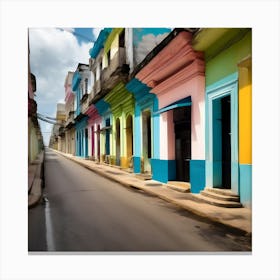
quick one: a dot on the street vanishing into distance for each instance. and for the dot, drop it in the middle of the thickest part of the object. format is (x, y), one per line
(84, 212)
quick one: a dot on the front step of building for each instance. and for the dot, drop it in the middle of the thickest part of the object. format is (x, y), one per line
(143, 176)
(179, 186)
(219, 197)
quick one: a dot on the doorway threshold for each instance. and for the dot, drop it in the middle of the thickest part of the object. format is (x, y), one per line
(179, 186)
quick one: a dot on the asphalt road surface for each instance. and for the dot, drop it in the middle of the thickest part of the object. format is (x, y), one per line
(84, 212)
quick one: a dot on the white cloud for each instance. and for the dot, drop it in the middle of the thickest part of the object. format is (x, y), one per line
(148, 42)
(95, 32)
(53, 52)
(69, 29)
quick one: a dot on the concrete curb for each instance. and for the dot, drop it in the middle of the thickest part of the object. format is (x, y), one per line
(35, 193)
(139, 185)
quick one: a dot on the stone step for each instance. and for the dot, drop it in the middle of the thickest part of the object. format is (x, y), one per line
(219, 196)
(143, 176)
(179, 186)
(221, 191)
(217, 202)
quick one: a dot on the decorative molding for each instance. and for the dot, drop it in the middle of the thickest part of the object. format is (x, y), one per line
(197, 68)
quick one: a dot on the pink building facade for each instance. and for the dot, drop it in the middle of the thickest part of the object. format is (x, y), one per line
(94, 124)
(176, 75)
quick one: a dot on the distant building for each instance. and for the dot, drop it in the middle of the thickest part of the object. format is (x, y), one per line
(69, 114)
(61, 118)
(80, 86)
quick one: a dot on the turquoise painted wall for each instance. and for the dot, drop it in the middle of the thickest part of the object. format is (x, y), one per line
(143, 100)
(81, 141)
(197, 175)
(163, 170)
(224, 87)
(245, 174)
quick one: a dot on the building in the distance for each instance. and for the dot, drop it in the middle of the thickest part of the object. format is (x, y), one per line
(81, 84)
(60, 119)
(69, 114)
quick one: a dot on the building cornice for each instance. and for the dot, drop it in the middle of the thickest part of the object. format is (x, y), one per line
(175, 56)
(160, 47)
(196, 68)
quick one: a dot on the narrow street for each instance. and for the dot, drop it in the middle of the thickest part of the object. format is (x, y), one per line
(86, 212)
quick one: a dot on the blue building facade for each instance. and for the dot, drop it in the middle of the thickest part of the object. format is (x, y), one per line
(80, 117)
(146, 104)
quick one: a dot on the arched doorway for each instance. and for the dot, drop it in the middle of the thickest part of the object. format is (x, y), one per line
(118, 141)
(86, 142)
(107, 137)
(129, 139)
(92, 142)
(98, 143)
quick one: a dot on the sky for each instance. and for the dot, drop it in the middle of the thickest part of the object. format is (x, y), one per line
(54, 52)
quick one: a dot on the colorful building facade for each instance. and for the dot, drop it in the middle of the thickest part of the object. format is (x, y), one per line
(176, 75)
(61, 118)
(100, 114)
(121, 103)
(228, 96)
(115, 55)
(146, 130)
(69, 111)
(175, 105)
(105, 132)
(94, 123)
(80, 85)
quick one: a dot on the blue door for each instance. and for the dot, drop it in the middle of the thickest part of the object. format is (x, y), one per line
(107, 141)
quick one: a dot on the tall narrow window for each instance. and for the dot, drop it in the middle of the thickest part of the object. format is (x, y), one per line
(108, 57)
(86, 85)
(121, 39)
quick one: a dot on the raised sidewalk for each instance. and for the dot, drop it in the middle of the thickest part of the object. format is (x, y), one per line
(35, 180)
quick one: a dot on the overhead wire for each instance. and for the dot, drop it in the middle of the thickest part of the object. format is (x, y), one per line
(46, 120)
(43, 116)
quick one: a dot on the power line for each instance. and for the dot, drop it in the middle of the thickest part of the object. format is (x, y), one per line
(45, 120)
(51, 118)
